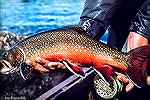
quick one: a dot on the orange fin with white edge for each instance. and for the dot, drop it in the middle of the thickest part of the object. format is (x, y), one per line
(75, 69)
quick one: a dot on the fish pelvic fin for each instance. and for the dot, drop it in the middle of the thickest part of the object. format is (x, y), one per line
(139, 61)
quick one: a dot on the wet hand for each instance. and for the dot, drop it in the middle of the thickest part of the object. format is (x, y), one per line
(145, 78)
(44, 65)
(125, 79)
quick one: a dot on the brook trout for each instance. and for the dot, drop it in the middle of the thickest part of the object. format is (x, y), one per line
(73, 45)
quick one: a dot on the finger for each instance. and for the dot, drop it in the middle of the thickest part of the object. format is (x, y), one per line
(41, 61)
(129, 87)
(36, 66)
(123, 78)
(28, 62)
(121, 74)
(60, 65)
(45, 63)
(54, 65)
(148, 80)
(48, 64)
(40, 68)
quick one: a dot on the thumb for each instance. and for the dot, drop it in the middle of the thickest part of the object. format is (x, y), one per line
(129, 87)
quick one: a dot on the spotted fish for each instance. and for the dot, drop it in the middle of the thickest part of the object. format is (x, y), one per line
(71, 44)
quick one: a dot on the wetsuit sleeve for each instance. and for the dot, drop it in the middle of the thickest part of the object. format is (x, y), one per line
(96, 16)
(141, 23)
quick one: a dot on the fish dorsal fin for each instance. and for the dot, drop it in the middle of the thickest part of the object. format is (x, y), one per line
(76, 28)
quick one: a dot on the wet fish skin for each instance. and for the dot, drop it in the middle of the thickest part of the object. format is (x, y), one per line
(48, 43)
(74, 46)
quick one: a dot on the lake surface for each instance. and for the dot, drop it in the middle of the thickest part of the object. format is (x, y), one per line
(28, 18)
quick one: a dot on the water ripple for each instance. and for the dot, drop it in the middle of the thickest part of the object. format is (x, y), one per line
(38, 15)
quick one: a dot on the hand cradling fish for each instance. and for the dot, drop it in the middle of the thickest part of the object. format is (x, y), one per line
(72, 44)
(13, 85)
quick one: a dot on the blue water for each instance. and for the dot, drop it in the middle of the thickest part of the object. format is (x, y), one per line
(39, 15)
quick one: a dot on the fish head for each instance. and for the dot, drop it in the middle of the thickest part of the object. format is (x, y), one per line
(10, 61)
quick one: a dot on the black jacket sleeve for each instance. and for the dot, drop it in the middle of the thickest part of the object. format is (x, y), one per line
(141, 23)
(96, 16)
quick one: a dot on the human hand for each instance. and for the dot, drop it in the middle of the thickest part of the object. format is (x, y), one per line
(125, 79)
(145, 79)
(135, 40)
(44, 65)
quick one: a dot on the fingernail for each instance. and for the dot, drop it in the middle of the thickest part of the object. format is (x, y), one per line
(49, 64)
(52, 68)
(61, 66)
(37, 58)
(127, 89)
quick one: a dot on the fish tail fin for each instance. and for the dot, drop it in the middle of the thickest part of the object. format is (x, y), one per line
(139, 60)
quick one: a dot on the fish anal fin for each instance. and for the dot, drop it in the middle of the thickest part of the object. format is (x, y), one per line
(106, 71)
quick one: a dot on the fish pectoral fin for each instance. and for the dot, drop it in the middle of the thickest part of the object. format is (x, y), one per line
(75, 69)
(25, 71)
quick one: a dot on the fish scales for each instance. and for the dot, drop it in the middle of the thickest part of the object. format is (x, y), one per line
(68, 44)
(44, 42)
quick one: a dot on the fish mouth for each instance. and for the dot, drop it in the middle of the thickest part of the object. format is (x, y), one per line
(6, 67)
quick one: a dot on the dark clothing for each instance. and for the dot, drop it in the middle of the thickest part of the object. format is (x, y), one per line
(141, 23)
(122, 16)
(99, 14)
